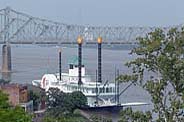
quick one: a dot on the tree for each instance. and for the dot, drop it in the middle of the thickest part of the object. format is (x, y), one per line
(72, 118)
(98, 118)
(161, 54)
(62, 104)
(36, 97)
(2, 81)
(10, 114)
(128, 115)
(78, 99)
(3, 100)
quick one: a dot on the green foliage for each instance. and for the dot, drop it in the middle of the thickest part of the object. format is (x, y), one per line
(128, 115)
(97, 118)
(72, 118)
(3, 100)
(63, 104)
(10, 114)
(162, 54)
(127, 78)
(78, 99)
(36, 97)
(2, 81)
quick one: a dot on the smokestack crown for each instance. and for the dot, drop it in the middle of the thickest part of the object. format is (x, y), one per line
(79, 40)
(99, 40)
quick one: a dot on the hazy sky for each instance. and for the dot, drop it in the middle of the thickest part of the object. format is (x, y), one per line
(104, 12)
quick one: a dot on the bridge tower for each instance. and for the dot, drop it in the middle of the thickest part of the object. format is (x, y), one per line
(6, 49)
(6, 57)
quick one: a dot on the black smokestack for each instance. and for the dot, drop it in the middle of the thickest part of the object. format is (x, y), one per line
(99, 59)
(79, 41)
(60, 64)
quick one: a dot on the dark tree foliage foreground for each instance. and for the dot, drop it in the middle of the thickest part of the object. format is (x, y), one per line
(3, 82)
(62, 104)
(160, 54)
(98, 118)
(11, 114)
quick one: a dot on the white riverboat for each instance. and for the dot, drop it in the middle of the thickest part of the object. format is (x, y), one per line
(94, 91)
(69, 83)
(99, 94)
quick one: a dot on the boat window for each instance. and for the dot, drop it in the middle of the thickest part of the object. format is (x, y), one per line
(113, 90)
(84, 89)
(87, 90)
(101, 90)
(107, 90)
(72, 87)
(71, 66)
(96, 90)
(93, 90)
(110, 89)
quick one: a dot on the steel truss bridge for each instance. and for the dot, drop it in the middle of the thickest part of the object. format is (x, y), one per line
(21, 28)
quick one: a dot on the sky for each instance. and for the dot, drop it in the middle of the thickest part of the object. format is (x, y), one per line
(103, 12)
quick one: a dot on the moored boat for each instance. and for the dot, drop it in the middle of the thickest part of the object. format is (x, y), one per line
(69, 83)
(99, 94)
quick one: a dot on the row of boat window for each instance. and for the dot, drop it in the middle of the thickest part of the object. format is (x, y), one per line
(93, 90)
(74, 66)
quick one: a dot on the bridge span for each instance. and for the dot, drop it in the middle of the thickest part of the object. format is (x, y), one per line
(20, 28)
(17, 27)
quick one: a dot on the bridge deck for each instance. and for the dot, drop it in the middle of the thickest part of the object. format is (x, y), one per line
(66, 42)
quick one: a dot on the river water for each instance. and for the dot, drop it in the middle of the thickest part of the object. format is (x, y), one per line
(30, 62)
